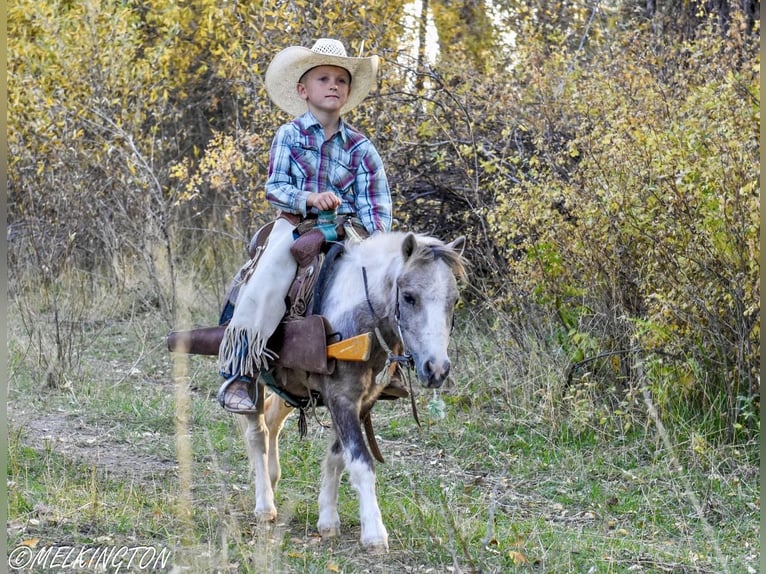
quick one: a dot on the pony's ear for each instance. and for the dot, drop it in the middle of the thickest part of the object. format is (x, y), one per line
(408, 245)
(458, 244)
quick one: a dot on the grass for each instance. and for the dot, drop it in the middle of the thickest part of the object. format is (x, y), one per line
(510, 480)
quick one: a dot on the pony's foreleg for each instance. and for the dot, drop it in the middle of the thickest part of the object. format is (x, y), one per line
(260, 438)
(332, 469)
(275, 413)
(362, 477)
(360, 466)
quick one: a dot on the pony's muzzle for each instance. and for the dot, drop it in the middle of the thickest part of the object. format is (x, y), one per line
(434, 373)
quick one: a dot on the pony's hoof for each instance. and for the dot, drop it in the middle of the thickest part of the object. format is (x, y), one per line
(379, 546)
(328, 532)
(265, 516)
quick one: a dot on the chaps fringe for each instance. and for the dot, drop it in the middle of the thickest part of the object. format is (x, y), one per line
(243, 352)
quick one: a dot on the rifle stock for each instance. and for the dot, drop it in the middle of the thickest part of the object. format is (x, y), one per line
(352, 349)
(205, 341)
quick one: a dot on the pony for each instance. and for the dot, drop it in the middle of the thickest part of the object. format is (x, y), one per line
(404, 288)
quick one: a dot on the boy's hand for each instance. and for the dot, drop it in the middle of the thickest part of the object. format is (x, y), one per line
(326, 200)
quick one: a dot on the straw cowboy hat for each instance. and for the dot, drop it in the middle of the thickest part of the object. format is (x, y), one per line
(287, 67)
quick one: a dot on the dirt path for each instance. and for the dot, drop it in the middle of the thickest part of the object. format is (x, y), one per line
(76, 439)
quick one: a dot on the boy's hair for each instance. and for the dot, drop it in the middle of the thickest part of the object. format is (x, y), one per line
(289, 66)
(350, 77)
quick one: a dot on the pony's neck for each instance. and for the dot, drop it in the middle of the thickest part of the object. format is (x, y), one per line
(348, 305)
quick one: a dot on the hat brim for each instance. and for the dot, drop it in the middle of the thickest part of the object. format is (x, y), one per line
(287, 67)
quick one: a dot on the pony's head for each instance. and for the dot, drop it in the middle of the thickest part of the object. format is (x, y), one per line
(427, 293)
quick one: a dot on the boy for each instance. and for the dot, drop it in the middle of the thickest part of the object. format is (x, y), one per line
(317, 162)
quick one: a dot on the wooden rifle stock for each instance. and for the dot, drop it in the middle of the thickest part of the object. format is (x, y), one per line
(207, 340)
(352, 349)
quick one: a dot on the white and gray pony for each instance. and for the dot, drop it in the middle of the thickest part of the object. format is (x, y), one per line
(405, 286)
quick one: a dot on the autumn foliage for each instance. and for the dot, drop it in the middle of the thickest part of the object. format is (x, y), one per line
(604, 162)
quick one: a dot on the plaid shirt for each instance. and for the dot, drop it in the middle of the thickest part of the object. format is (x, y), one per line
(302, 162)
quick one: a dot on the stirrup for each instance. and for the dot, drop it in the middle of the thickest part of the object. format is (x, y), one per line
(238, 395)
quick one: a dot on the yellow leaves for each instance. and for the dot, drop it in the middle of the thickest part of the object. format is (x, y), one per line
(426, 129)
(30, 542)
(699, 445)
(231, 164)
(180, 170)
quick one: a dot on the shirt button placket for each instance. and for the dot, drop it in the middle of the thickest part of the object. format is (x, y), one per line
(322, 176)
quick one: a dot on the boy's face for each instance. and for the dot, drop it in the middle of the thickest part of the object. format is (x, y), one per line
(325, 88)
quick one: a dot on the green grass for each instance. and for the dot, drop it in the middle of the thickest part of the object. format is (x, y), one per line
(498, 485)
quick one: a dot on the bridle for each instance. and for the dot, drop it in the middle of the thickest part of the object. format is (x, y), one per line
(405, 359)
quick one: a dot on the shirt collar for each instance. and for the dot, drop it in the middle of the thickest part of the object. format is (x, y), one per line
(308, 121)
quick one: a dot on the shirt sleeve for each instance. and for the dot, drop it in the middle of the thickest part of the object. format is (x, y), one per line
(280, 189)
(373, 199)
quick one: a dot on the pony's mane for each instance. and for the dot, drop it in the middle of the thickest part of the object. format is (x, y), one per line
(430, 249)
(427, 250)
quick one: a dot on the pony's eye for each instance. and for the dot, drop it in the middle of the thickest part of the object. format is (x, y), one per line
(408, 298)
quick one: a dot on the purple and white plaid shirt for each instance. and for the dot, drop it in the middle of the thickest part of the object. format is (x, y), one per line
(302, 162)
